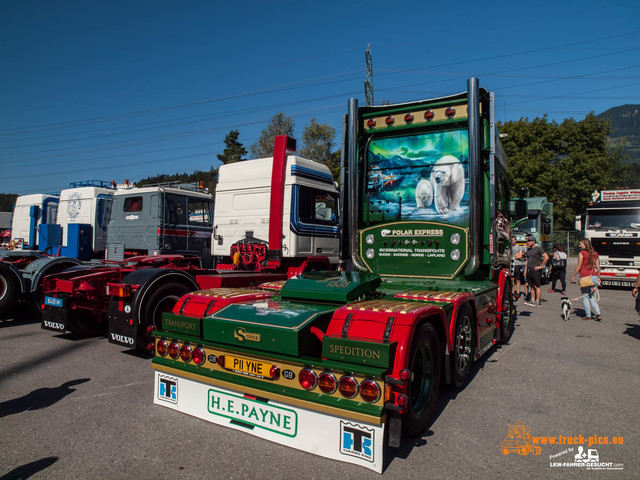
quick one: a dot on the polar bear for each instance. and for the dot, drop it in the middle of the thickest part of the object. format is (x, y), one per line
(424, 193)
(447, 181)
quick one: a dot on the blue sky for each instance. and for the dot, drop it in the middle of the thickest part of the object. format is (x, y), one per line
(115, 90)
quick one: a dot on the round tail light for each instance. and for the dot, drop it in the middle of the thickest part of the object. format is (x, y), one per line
(220, 360)
(185, 353)
(327, 382)
(370, 391)
(162, 348)
(274, 372)
(174, 350)
(348, 386)
(198, 356)
(308, 379)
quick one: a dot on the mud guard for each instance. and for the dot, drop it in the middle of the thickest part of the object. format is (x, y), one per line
(125, 313)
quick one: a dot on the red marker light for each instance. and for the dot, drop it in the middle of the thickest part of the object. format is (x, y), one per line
(185, 353)
(327, 383)
(162, 348)
(174, 350)
(389, 121)
(198, 356)
(408, 118)
(308, 379)
(429, 115)
(370, 391)
(371, 123)
(348, 386)
(450, 112)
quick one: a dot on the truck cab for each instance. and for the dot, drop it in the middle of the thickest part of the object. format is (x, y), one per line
(306, 200)
(161, 219)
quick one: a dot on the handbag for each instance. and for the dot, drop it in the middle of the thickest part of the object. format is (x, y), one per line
(586, 282)
(559, 263)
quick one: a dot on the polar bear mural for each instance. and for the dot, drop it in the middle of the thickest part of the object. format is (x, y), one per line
(447, 182)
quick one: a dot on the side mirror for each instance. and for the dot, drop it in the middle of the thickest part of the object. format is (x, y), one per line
(519, 210)
(546, 227)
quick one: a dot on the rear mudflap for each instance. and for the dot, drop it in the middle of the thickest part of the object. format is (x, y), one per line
(54, 318)
(123, 330)
(311, 431)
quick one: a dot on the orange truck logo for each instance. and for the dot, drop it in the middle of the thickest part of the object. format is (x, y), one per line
(518, 440)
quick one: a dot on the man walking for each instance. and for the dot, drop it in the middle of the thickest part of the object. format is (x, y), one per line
(518, 267)
(537, 258)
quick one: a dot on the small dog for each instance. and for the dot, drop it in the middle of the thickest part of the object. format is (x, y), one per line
(566, 306)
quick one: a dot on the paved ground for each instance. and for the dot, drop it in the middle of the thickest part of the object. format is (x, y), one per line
(82, 408)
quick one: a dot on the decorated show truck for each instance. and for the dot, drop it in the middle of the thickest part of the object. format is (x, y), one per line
(340, 363)
(612, 223)
(254, 199)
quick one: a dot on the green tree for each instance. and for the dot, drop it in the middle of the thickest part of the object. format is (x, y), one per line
(563, 162)
(280, 124)
(318, 144)
(234, 151)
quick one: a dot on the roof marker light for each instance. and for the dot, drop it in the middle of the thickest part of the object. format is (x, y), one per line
(429, 115)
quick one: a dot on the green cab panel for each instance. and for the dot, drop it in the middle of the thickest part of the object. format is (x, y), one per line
(271, 326)
(335, 287)
(361, 352)
(415, 249)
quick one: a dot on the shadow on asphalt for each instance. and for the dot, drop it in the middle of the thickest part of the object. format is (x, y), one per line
(18, 315)
(633, 330)
(447, 394)
(40, 398)
(30, 469)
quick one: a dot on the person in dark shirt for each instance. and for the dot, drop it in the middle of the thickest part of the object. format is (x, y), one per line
(537, 258)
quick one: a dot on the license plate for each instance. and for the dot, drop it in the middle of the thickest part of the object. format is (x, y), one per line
(253, 368)
(53, 301)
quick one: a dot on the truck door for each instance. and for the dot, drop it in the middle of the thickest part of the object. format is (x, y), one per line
(315, 216)
(199, 225)
(176, 230)
(104, 205)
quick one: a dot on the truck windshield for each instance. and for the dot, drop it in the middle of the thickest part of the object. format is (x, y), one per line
(614, 218)
(414, 177)
(531, 225)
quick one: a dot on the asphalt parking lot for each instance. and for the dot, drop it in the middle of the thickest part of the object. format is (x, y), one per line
(74, 407)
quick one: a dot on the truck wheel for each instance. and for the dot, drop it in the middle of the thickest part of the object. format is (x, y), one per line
(84, 323)
(8, 290)
(161, 301)
(423, 388)
(508, 318)
(462, 346)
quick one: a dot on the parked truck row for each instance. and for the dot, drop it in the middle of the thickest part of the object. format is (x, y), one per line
(274, 218)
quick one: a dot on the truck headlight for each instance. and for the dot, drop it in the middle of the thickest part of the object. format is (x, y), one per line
(369, 239)
(455, 238)
(455, 254)
(370, 253)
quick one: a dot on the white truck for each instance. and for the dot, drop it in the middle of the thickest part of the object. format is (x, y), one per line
(612, 223)
(268, 213)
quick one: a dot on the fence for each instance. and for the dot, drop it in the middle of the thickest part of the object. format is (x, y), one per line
(568, 239)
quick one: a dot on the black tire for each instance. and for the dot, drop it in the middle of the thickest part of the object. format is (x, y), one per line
(425, 365)
(8, 289)
(161, 301)
(84, 323)
(508, 319)
(463, 343)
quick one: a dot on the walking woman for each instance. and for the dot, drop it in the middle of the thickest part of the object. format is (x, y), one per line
(588, 267)
(558, 268)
